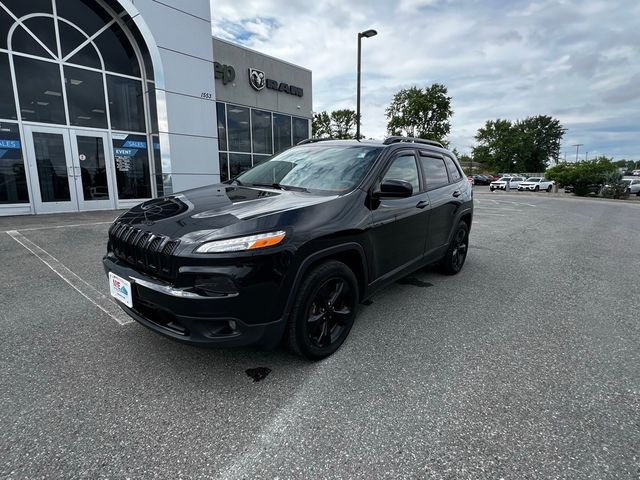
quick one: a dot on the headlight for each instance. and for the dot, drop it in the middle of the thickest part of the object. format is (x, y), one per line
(252, 242)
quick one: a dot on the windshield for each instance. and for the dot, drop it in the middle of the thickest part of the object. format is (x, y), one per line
(533, 179)
(314, 167)
(504, 179)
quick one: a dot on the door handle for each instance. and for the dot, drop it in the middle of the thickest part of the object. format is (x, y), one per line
(422, 204)
(457, 193)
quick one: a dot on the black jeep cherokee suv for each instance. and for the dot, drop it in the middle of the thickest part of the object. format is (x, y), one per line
(291, 247)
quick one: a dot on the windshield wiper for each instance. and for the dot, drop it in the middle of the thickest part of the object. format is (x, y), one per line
(279, 186)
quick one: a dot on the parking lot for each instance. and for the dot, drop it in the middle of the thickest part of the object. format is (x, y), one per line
(525, 365)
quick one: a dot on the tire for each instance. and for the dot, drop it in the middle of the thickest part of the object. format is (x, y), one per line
(537, 189)
(491, 188)
(323, 311)
(456, 255)
(549, 189)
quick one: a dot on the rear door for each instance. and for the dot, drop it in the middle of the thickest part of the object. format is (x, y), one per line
(399, 225)
(445, 183)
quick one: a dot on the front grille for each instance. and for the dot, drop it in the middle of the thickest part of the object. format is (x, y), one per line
(142, 250)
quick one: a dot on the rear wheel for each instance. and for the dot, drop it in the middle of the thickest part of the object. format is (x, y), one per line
(324, 311)
(456, 254)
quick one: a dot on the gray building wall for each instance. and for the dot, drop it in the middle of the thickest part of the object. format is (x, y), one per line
(186, 93)
(241, 92)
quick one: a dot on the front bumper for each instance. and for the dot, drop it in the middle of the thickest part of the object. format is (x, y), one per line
(234, 320)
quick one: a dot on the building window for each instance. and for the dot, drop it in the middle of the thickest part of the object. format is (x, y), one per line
(224, 167)
(7, 102)
(125, 104)
(281, 132)
(238, 129)
(300, 129)
(85, 97)
(39, 91)
(132, 166)
(238, 163)
(13, 182)
(222, 126)
(261, 131)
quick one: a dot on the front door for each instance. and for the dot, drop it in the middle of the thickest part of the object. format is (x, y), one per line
(69, 169)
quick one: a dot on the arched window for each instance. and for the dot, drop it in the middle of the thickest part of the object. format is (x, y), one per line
(73, 64)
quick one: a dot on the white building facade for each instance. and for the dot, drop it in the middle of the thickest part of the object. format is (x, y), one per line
(106, 103)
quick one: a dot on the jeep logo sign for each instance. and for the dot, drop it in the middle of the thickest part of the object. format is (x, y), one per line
(226, 73)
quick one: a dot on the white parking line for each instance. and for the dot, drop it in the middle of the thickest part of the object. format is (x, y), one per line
(58, 226)
(85, 289)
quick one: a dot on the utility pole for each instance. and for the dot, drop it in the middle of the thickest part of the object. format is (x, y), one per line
(577, 145)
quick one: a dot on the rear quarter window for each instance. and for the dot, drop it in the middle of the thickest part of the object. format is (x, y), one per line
(454, 174)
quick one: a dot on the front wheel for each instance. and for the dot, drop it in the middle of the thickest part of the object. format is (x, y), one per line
(457, 252)
(537, 188)
(549, 189)
(491, 188)
(323, 311)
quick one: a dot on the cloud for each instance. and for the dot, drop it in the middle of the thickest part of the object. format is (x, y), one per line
(575, 59)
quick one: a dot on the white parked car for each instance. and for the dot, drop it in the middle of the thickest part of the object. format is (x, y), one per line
(506, 183)
(535, 184)
(633, 186)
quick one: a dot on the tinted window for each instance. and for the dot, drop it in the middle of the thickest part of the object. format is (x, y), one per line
(435, 172)
(454, 173)
(45, 30)
(21, 41)
(222, 127)
(7, 102)
(261, 127)
(39, 90)
(131, 160)
(238, 163)
(281, 132)
(117, 52)
(85, 13)
(5, 24)
(224, 168)
(404, 168)
(85, 97)
(13, 183)
(300, 129)
(125, 104)
(238, 129)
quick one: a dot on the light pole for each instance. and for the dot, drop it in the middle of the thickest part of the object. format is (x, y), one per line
(577, 145)
(366, 34)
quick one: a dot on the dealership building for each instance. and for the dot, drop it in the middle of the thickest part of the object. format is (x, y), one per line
(106, 103)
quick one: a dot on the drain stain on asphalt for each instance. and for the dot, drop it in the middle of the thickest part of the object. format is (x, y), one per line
(415, 282)
(258, 374)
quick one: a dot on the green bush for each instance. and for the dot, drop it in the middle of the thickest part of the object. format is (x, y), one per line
(582, 175)
(614, 187)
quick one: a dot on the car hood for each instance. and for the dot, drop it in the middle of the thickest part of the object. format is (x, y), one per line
(217, 210)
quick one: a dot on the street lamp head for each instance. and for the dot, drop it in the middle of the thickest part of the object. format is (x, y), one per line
(368, 33)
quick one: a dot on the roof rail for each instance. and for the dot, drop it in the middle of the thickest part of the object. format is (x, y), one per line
(398, 139)
(313, 140)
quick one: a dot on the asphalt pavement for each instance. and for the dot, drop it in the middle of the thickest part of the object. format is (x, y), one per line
(525, 365)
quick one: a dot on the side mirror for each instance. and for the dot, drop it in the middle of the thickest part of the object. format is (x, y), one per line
(394, 189)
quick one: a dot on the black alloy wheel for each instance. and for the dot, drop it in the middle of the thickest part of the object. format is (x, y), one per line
(456, 254)
(537, 188)
(324, 311)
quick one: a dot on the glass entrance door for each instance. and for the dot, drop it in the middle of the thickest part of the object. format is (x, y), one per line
(68, 170)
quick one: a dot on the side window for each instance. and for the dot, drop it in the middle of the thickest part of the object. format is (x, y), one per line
(454, 173)
(404, 168)
(435, 172)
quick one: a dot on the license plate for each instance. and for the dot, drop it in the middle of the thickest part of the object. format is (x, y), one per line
(120, 289)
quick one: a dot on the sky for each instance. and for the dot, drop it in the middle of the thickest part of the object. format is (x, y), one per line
(576, 60)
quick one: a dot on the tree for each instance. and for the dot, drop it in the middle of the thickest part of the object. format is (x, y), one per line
(527, 145)
(343, 123)
(420, 113)
(582, 174)
(321, 125)
(337, 124)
